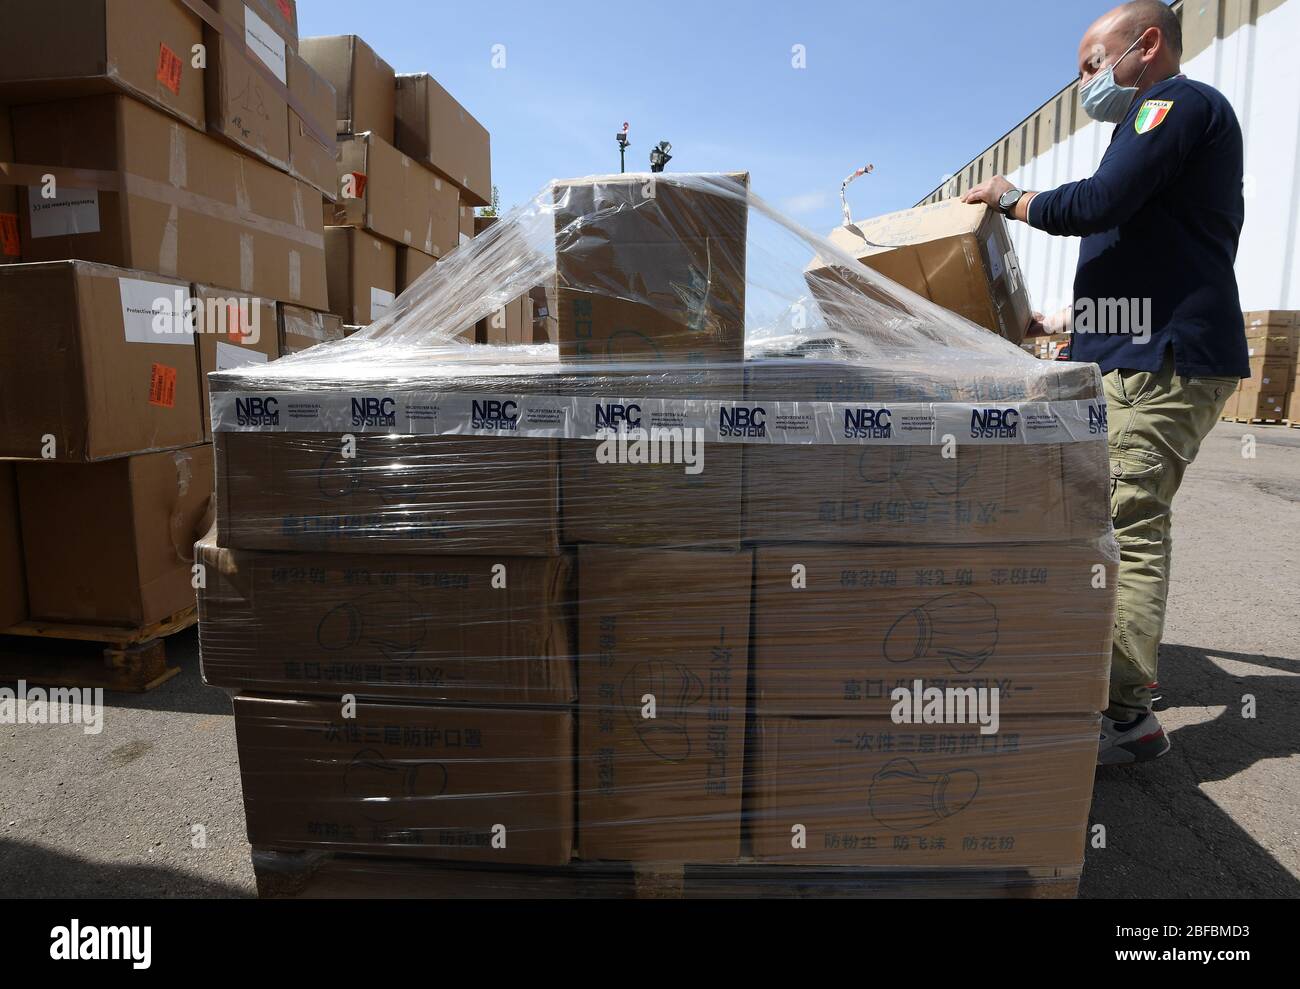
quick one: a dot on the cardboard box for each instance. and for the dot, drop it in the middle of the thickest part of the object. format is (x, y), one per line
(650, 278)
(430, 628)
(362, 271)
(435, 130)
(235, 331)
(456, 495)
(466, 214)
(81, 363)
(1268, 322)
(311, 156)
(172, 200)
(244, 107)
(868, 792)
(481, 223)
(1270, 375)
(518, 316)
(385, 192)
(1230, 408)
(1025, 620)
(302, 328)
(63, 49)
(364, 88)
(957, 255)
(1261, 405)
(418, 781)
(546, 328)
(505, 327)
(1277, 346)
(1293, 406)
(112, 543)
(13, 586)
(411, 264)
(640, 503)
(862, 493)
(674, 626)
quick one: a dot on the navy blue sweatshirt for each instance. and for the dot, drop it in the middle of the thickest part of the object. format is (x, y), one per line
(1160, 220)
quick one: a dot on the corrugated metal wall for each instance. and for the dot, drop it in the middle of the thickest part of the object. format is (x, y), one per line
(1246, 49)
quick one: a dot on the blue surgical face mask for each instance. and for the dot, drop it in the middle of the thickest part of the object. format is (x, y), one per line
(1104, 99)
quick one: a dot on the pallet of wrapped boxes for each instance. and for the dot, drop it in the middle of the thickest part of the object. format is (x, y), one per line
(1267, 394)
(155, 231)
(626, 614)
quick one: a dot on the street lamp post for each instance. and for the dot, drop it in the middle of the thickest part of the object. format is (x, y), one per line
(623, 143)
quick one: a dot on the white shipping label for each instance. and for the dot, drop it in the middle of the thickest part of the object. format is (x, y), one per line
(235, 355)
(995, 259)
(263, 42)
(155, 312)
(71, 211)
(380, 300)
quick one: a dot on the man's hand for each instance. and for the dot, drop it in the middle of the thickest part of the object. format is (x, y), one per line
(988, 192)
(1057, 322)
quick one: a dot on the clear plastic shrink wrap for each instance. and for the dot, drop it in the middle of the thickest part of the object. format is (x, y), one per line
(639, 598)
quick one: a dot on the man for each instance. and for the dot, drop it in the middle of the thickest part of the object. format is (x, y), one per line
(1160, 220)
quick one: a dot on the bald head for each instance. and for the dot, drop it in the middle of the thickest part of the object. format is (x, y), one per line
(1152, 25)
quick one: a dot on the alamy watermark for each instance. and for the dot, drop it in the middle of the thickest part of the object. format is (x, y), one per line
(53, 706)
(922, 705)
(101, 942)
(237, 318)
(1120, 317)
(656, 445)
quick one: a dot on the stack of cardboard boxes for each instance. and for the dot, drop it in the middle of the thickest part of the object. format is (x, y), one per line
(411, 166)
(528, 319)
(424, 576)
(162, 161)
(559, 657)
(1271, 345)
(1049, 347)
(650, 305)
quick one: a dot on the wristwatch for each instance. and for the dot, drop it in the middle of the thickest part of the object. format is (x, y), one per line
(1007, 202)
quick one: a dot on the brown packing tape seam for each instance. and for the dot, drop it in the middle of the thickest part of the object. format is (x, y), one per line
(181, 536)
(232, 34)
(160, 192)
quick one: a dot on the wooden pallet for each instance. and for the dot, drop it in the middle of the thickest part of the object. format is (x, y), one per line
(328, 875)
(1255, 422)
(1293, 423)
(69, 654)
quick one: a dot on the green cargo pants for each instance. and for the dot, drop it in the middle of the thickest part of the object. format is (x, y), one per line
(1156, 422)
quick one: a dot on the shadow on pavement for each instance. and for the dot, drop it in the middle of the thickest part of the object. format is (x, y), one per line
(29, 870)
(1165, 836)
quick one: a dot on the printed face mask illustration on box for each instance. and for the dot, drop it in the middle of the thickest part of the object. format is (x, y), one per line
(902, 798)
(674, 689)
(383, 620)
(379, 785)
(960, 628)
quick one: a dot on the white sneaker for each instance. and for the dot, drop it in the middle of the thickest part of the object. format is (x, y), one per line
(1134, 741)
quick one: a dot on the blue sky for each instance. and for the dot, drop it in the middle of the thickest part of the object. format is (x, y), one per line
(916, 87)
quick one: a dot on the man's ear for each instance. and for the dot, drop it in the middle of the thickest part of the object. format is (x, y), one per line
(1152, 43)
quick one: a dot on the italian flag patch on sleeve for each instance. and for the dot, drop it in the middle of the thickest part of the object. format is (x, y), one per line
(1151, 115)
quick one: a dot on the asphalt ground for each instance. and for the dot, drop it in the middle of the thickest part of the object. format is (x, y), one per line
(114, 814)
